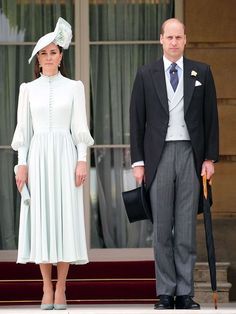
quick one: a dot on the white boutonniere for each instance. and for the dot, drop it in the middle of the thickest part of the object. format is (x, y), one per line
(193, 73)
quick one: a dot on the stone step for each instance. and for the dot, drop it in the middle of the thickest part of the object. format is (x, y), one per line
(203, 291)
(204, 294)
(202, 273)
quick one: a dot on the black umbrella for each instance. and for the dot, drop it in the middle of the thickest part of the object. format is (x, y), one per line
(207, 202)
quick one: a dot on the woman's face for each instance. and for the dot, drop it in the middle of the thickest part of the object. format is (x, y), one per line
(49, 59)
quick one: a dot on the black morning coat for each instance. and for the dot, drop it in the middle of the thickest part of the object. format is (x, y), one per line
(149, 115)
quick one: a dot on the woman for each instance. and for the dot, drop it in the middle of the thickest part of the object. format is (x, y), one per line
(51, 138)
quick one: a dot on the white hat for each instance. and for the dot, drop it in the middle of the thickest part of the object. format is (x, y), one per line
(61, 36)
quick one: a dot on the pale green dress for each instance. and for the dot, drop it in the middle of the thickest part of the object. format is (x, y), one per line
(51, 135)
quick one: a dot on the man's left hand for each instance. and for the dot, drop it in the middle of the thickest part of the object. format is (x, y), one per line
(208, 169)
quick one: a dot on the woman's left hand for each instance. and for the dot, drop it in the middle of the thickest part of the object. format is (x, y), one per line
(80, 173)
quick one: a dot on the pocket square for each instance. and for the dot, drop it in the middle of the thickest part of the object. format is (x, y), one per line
(197, 83)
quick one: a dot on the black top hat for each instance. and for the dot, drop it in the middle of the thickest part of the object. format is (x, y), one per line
(137, 204)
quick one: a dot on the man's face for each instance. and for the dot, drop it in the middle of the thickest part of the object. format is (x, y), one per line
(173, 40)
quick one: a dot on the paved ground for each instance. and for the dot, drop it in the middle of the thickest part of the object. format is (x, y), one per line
(229, 308)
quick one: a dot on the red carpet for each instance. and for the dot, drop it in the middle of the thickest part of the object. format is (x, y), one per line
(96, 282)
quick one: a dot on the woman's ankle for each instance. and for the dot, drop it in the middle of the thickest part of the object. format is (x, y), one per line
(60, 287)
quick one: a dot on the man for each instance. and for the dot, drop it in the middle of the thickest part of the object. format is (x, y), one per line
(174, 141)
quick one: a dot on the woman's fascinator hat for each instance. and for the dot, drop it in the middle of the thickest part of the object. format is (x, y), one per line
(61, 36)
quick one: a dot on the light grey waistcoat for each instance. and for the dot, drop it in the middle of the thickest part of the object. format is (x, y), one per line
(177, 129)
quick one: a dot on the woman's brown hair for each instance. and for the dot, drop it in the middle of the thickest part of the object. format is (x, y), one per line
(62, 68)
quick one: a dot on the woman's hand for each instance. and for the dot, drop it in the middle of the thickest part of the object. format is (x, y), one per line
(80, 173)
(21, 176)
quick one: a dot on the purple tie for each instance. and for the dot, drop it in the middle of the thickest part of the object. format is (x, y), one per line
(174, 79)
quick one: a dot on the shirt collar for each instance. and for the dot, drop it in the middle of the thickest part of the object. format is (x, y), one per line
(167, 63)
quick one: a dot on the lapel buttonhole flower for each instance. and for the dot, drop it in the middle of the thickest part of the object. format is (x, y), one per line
(193, 73)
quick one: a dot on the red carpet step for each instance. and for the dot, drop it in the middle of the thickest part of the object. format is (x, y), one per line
(96, 282)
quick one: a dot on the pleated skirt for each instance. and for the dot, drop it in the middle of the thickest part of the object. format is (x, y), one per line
(52, 228)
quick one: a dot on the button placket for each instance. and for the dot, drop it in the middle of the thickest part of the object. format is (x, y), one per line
(50, 104)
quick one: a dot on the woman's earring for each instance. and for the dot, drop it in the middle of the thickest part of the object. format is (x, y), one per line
(59, 65)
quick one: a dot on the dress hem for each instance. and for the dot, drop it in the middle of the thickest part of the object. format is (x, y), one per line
(78, 262)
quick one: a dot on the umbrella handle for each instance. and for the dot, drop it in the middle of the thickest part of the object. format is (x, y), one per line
(204, 182)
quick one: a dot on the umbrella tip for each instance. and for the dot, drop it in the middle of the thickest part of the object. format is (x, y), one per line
(215, 299)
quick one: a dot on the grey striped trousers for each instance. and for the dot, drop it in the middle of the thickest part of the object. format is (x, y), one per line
(174, 198)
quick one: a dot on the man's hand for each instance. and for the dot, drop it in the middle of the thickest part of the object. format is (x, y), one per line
(80, 173)
(138, 173)
(208, 169)
(21, 176)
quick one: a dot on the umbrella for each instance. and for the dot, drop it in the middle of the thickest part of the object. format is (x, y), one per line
(207, 202)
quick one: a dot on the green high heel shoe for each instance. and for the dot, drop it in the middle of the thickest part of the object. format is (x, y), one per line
(60, 306)
(46, 307)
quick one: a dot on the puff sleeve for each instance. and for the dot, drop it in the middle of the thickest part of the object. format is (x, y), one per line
(79, 127)
(24, 131)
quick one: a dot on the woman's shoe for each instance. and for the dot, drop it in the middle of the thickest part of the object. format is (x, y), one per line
(60, 306)
(45, 307)
(47, 301)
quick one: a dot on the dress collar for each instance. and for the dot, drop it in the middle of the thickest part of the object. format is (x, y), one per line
(51, 77)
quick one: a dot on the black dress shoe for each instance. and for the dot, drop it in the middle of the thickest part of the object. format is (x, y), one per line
(185, 302)
(166, 302)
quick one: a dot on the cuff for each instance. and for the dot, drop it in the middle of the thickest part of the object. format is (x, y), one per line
(210, 160)
(22, 155)
(81, 152)
(138, 164)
